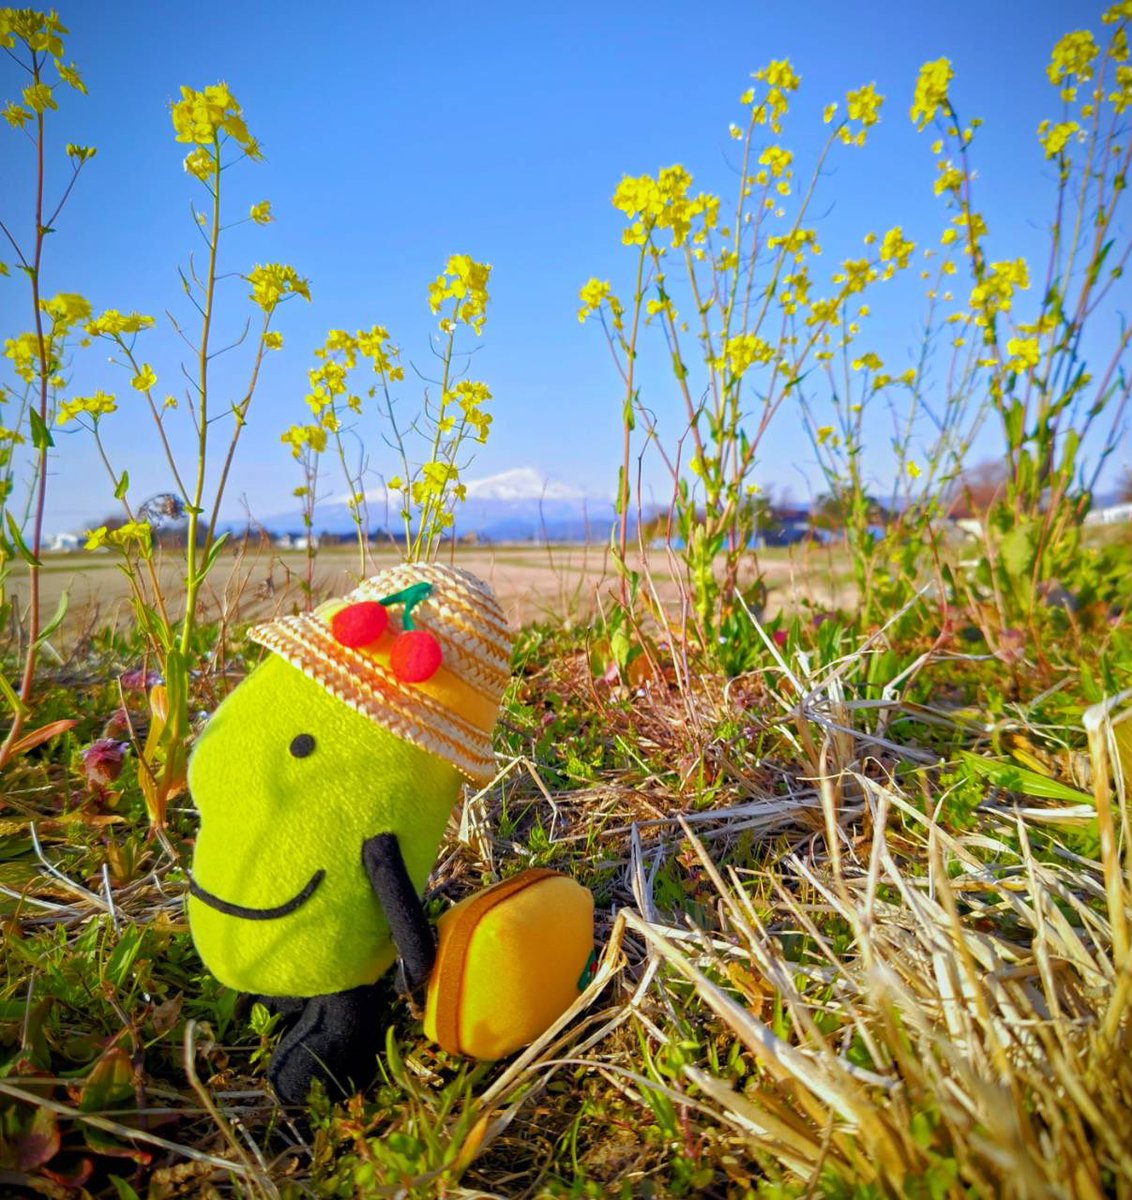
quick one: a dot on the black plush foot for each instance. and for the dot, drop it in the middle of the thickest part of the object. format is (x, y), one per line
(335, 1040)
(286, 1006)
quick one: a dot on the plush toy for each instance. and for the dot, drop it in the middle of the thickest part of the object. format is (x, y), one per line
(324, 783)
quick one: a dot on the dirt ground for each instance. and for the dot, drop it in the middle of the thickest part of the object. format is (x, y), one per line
(532, 582)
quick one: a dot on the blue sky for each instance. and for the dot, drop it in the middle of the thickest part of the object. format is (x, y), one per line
(395, 135)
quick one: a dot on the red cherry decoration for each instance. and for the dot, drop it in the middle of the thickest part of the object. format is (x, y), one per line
(415, 656)
(359, 624)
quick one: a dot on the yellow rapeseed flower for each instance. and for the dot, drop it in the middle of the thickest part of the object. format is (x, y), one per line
(777, 159)
(744, 350)
(896, 248)
(96, 406)
(201, 163)
(112, 323)
(39, 97)
(1054, 137)
(931, 90)
(464, 280)
(1024, 353)
(66, 309)
(1073, 55)
(145, 379)
(864, 104)
(201, 117)
(300, 436)
(271, 282)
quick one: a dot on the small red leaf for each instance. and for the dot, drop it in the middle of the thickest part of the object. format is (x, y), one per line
(39, 1143)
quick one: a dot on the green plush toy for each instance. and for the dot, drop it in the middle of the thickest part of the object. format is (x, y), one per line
(324, 783)
(290, 783)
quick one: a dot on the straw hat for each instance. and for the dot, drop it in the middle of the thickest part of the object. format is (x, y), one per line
(452, 712)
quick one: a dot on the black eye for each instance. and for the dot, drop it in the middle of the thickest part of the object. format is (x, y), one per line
(302, 745)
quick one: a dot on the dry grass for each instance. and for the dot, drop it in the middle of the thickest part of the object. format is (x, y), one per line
(813, 983)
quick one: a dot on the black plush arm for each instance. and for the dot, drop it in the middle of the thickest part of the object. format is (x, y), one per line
(412, 935)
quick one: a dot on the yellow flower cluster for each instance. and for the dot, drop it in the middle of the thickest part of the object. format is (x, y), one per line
(39, 97)
(895, 249)
(271, 282)
(664, 203)
(98, 405)
(132, 533)
(995, 293)
(777, 159)
(300, 436)
(431, 487)
(780, 78)
(1054, 136)
(796, 242)
(855, 275)
(470, 396)
(261, 213)
(23, 352)
(862, 105)
(201, 117)
(145, 379)
(328, 381)
(465, 281)
(1072, 58)
(66, 309)
(1024, 353)
(202, 163)
(593, 293)
(375, 344)
(113, 324)
(931, 90)
(745, 350)
(38, 31)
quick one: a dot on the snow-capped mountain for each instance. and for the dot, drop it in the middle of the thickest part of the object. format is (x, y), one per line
(516, 505)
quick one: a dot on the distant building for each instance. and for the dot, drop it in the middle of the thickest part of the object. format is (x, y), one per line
(1115, 514)
(297, 541)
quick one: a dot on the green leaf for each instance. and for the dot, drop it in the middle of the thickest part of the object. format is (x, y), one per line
(110, 1083)
(56, 620)
(122, 486)
(121, 961)
(41, 437)
(9, 694)
(1017, 551)
(210, 558)
(22, 548)
(124, 1190)
(1014, 778)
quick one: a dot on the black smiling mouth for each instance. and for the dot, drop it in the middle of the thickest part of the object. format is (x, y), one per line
(257, 914)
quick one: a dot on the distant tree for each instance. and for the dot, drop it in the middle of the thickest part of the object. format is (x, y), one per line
(831, 511)
(976, 489)
(1124, 486)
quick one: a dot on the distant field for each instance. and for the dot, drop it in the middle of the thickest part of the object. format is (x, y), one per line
(532, 582)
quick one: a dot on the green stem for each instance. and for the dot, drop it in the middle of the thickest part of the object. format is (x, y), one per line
(32, 654)
(192, 579)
